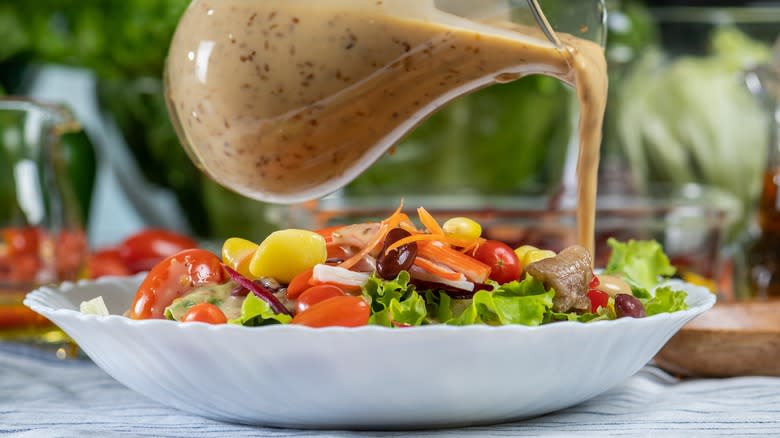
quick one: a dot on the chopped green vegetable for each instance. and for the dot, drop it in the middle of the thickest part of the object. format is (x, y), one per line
(410, 311)
(380, 293)
(439, 307)
(665, 300)
(642, 263)
(518, 302)
(394, 302)
(256, 312)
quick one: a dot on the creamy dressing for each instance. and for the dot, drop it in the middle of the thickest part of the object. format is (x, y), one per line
(285, 101)
(217, 294)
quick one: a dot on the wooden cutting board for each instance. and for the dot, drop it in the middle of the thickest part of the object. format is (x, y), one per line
(731, 339)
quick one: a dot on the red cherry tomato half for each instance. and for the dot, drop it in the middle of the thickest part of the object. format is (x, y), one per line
(142, 251)
(106, 262)
(173, 277)
(503, 262)
(597, 299)
(317, 294)
(299, 284)
(205, 312)
(344, 311)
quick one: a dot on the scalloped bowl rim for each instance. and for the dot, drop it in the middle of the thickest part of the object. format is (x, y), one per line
(35, 300)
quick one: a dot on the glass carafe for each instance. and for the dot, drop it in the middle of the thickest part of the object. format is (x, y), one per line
(41, 236)
(284, 101)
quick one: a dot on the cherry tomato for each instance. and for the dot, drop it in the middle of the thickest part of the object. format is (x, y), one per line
(25, 268)
(22, 240)
(173, 277)
(299, 284)
(71, 252)
(597, 299)
(142, 251)
(106, 262)
(205, 312)
(344, 311)
(317, 294)
(503, 262)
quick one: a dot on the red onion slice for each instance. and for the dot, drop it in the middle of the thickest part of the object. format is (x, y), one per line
(259, 290)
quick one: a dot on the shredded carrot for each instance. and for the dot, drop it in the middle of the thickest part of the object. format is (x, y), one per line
(404, 218)
(407, 224)
(437, 269)
(472, 268)
(472, 246)
(378, 238)
(415, 238)
(464, 243)
(397, 216)
(411, 229)
(436, 237)
(429, 222)
(385, 226)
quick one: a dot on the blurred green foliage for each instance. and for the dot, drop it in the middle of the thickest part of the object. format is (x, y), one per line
(505, 139)
(125, 38)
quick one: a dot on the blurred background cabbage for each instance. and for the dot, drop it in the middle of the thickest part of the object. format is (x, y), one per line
(678, 111)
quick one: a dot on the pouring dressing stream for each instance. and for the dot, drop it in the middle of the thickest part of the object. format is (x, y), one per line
(288, 101)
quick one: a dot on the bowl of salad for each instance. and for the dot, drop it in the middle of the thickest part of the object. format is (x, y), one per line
(392, 324)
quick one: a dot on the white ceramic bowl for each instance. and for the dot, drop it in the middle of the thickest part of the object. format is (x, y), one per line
(368, 377)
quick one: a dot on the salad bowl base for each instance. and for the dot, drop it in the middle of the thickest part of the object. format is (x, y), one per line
(371, 377)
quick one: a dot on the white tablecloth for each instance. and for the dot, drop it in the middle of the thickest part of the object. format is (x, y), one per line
(41, 397)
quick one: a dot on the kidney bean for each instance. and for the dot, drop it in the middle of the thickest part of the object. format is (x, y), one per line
(629, 305)
(390, 264)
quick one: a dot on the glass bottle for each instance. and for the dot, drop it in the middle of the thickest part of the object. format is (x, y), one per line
(762, 254)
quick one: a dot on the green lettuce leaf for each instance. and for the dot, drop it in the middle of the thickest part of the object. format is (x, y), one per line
(256, 312)
(603, 314)
(394, 302)
(666, 299)
(380, 293)
(439, 307)
(519, 302)
(409, 312)
(642, 263)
